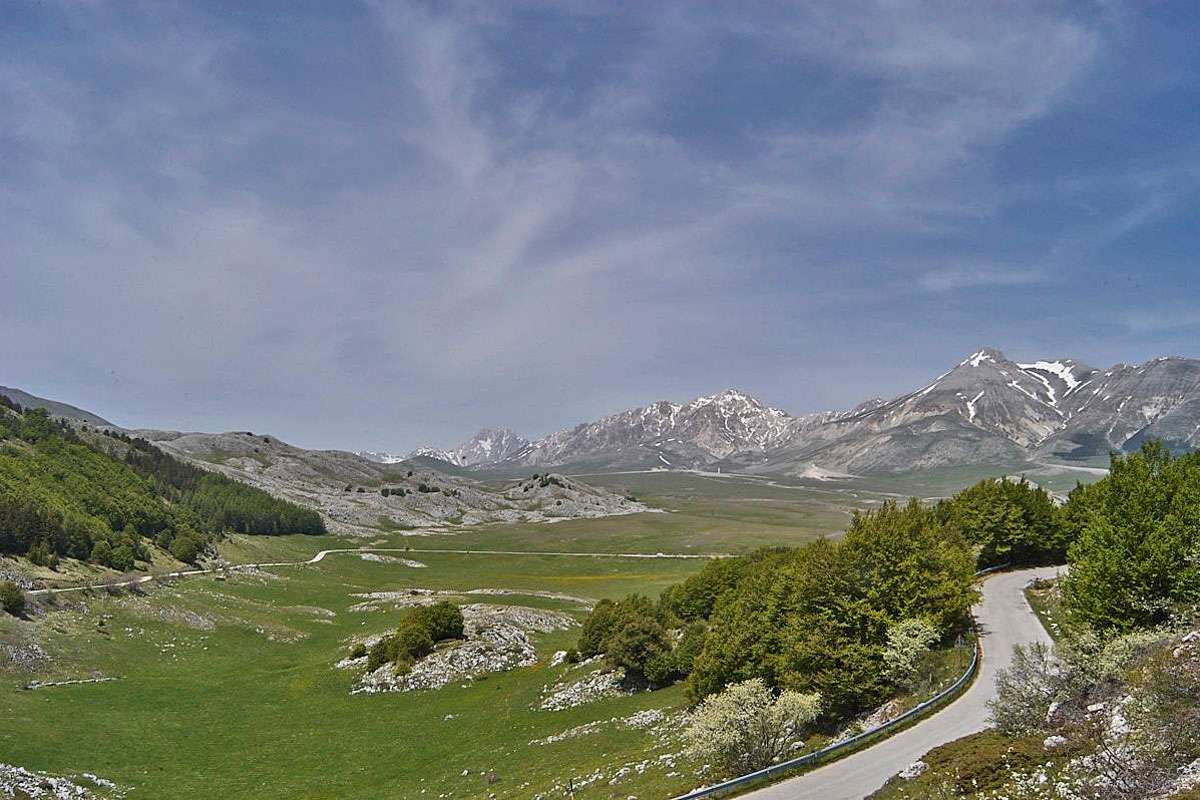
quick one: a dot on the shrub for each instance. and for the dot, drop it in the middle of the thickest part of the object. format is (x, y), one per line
(12, 599)
(907, 641)
(1025, 690)
(420, 629)
(358, 651)
(746, 727)
(122, 558)
(638, 641)
(102, 553)
(186, 548)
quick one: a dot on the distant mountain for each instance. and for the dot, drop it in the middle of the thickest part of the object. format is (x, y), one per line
(662, 434)
(55, 408)
(986, 410)
(991, 410)
(381, 458)
(1122, 407)
(487, 447)
(667, 434)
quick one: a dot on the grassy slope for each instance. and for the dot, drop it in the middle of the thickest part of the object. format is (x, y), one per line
(228, 712)
(240, 710)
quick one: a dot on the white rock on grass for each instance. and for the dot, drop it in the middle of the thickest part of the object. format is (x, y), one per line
(913, 770)
(496, 640)
(1054, 742)
(23, 783)
(382, 559)
(598, 684)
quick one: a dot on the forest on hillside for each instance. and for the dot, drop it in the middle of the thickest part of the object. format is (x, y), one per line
(105, 497)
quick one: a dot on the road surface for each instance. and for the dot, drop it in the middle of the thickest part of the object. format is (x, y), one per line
(1005, 620)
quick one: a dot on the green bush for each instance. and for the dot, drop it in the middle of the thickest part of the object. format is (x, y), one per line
(12, 599)
(420, 629)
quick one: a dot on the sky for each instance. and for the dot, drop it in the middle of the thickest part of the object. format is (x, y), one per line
(387, 224)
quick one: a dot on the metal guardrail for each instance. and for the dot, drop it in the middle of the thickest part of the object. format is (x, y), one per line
(815, 757)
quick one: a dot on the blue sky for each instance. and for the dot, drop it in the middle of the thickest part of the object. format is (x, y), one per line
(387, 224)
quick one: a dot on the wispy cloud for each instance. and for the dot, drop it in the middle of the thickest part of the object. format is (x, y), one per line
(972, 277)
(426, 215)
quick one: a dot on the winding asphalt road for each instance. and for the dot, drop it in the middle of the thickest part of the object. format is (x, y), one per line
(1005, 620)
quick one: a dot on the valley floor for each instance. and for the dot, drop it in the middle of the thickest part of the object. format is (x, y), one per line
(226, 687)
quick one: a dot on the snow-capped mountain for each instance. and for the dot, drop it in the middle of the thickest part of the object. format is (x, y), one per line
(1124, 406)
(986, 410)
(380, 458)
(487, 447)
(991, 410)
(668, 434)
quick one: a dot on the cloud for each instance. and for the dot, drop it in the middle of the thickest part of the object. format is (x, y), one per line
(972, 277)
(408, 218)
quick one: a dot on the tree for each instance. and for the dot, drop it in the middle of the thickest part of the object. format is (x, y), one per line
(12, 599)
(816, 619)
(102, 553)
(746, 727)
(1010, 521)
(1137, 560)
(122, 558)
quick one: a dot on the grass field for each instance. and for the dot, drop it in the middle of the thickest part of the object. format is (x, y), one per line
(227, 689)
(253, 707)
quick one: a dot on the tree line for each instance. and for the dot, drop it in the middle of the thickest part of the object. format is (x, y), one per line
(844, 620)
(105, 497)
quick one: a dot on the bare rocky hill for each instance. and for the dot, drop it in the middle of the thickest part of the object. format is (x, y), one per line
(54, 407)
(363, 497)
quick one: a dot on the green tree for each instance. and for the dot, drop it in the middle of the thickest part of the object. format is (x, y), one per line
(102, 553)
(122, 558)
(1010, 521)
(12, 599)
(1137, 561)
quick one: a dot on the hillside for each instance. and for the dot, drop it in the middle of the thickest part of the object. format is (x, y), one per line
(54, 407)
(110, 499)
(360, 496)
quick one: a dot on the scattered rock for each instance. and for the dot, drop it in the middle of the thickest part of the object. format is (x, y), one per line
(382, 559)
(1054, 742)
(598, 684)
(17, 782)
(913, 770)
(47, 684)
(496, 640)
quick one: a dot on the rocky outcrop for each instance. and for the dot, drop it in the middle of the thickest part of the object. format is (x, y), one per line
(496, 639)
(363, 497)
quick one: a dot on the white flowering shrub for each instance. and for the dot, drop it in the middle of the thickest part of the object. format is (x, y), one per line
(907, 641)
(747, 727)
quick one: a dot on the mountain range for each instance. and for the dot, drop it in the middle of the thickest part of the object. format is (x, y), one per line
(987, 409)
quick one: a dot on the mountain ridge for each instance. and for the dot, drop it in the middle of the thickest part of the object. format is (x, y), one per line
(986, 409)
